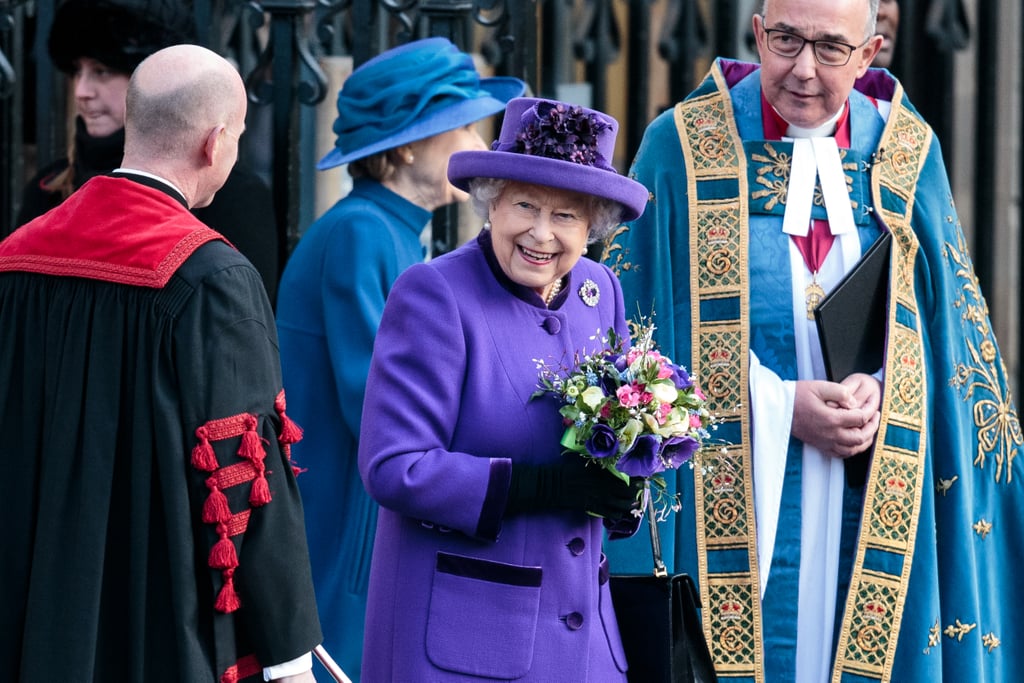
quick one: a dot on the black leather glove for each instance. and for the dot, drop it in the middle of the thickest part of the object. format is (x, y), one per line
(571, 485)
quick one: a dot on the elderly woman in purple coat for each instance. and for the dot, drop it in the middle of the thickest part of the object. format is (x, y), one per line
(487, 561)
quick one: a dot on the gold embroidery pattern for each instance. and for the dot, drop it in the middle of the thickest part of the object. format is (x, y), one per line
(874, 606)
(945, 485)
(999, 431)
(959, 630)
(933, 638)
(721, 369)
(907, 382)
(610, 247)
(723, 499)
(726, 525)
(970, 299)
(709, 141)
(719, 226)
(990, 641)
(871, 625)
(983, 528)
(773, 172)
(732, 622)
(893, 502)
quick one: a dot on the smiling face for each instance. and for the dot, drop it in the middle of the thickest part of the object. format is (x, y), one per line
(99, 96)
(538, 233)
(803, 91)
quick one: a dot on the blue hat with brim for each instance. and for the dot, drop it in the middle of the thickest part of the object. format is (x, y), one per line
(552, 143)
(409, 93)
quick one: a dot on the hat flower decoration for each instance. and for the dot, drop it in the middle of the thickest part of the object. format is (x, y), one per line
(563, 132)
(553, 144)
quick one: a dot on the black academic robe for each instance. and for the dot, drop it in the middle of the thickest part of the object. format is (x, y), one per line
(152, 529)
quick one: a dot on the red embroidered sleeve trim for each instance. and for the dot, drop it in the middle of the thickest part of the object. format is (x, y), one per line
(245, 667)
(216, 508)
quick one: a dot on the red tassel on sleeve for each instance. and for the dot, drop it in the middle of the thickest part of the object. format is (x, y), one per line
(227, 599)
(223, 554)
(250, 469)
(252, 450)
(203, 457)
(259, 494)
(290, 432)
(215, 508)
(252, 447)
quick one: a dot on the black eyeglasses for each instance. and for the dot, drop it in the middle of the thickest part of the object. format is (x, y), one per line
(827, 52)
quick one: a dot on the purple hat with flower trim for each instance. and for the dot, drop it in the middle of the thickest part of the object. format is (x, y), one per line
(552, 143)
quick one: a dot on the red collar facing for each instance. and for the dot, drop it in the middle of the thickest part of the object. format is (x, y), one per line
(111, 229)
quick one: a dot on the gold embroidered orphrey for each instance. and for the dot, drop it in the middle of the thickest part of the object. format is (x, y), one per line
(712, 150)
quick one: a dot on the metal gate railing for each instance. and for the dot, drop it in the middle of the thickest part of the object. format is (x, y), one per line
(632, 58)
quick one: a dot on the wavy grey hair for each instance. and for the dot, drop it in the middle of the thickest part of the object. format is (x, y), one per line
(603, 214)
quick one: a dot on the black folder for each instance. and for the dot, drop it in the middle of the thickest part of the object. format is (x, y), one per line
(851, 319)
(851, 326)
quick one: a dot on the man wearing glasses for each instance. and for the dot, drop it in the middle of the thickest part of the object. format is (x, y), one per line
(861, 528)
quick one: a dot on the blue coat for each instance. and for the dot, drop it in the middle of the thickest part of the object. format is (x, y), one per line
(457, 590)
(330, 302)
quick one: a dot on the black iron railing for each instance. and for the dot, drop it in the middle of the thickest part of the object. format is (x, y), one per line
(630, 57)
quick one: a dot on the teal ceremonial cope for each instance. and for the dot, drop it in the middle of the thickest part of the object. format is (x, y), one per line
(851, 319)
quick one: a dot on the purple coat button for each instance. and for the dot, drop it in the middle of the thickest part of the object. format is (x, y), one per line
(577, 546)
(552, 325)
(574, 620)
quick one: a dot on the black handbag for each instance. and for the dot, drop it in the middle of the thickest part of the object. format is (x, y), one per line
(659, 623)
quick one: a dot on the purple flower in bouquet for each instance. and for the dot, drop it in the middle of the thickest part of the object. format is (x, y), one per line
(642, 460)
(602, 442)
(680, 377)
(678, 449)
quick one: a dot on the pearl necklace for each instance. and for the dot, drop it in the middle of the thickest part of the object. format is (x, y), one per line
(556, 287)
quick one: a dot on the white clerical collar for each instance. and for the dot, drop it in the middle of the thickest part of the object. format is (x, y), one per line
(165, 181)
(816, 157)
(825, 130)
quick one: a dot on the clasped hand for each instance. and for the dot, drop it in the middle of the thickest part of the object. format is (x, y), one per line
(838, 418)
(571, 484)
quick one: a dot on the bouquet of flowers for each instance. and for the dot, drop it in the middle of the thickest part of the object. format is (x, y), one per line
(629, 409)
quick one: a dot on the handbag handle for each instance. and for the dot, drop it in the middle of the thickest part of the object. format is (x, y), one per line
(659, 564)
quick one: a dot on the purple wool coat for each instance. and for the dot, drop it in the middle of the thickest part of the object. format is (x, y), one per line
(459, 591)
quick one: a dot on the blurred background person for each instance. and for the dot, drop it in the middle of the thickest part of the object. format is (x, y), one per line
(887, 26)
(487, 563)
(98, 44)
(400, 116)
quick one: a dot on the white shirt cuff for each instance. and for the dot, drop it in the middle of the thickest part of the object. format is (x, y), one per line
(295, 666)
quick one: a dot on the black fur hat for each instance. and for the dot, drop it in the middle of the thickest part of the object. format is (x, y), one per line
(117, 33)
